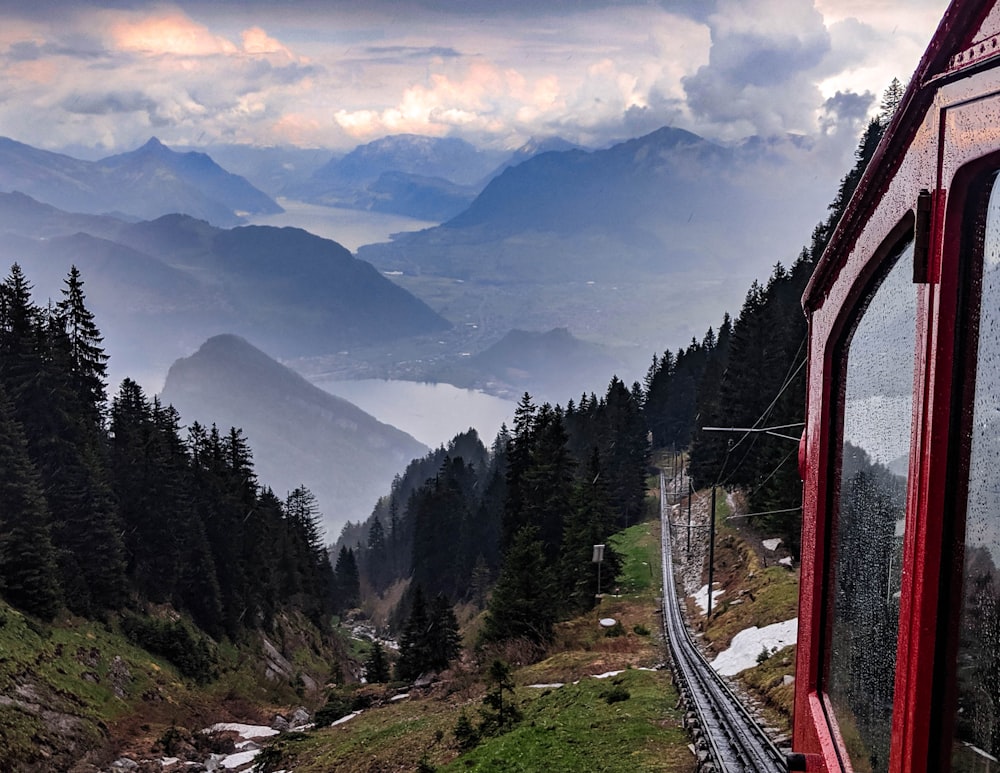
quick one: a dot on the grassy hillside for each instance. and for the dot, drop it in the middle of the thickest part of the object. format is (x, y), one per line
(595, 721)
(77, 693)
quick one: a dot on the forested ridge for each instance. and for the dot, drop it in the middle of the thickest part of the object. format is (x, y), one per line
(511, 528)
(108, 506)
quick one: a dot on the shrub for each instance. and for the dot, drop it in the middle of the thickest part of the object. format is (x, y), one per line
(191, 652)
(336, 707)
(616, 695)
(465, 733)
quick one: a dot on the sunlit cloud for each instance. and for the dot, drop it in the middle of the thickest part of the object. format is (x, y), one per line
(333, 75)
(257, 41)
(173, 34)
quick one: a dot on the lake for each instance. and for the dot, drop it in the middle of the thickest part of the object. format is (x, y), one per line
(350, 228)
(432, 413)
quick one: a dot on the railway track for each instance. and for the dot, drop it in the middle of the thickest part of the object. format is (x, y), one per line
(728, 739)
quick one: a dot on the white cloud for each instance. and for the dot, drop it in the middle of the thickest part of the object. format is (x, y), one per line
(334, 76)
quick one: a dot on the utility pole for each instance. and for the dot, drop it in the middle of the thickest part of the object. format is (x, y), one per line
(690, 493)
(711, 554)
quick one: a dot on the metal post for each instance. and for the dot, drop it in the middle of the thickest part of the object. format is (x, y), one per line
(673, 473)
(690, 495)
(711, 555)
(598, 558)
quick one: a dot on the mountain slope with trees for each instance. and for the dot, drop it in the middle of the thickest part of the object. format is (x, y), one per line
(120, 502)
(303, 435)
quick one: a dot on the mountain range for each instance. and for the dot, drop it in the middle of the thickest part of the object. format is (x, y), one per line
(637, 246)
(145, 183)
(648, 206)
(427, 178)
(632, 247)
(159, 288)
(299, 434)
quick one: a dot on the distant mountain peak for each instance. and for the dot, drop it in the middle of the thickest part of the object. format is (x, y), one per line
(152, 147)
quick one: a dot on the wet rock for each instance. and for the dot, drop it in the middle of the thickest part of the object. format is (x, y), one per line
(425, 680)
(214, 762)
(120, 676)
(276, 668)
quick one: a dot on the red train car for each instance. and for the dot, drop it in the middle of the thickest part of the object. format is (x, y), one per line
(899, 643)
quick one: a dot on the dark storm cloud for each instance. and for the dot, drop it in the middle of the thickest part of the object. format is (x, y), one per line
(260, 71)
(846, 108)
(660, 111)
(694, 9)
(760, 74)
(76, 46)
(109, 103)
(849, 105)
(412, 52)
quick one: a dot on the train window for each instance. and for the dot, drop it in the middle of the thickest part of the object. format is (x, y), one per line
(976, 741)
(868, 534)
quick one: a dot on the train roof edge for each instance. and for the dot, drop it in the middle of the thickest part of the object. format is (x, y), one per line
(954, 50)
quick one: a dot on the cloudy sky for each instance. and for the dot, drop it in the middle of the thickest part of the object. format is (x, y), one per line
(101, 77)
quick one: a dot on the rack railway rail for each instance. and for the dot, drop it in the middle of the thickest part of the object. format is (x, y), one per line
(731, 739)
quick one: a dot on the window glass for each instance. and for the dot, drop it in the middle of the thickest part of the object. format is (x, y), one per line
(976, 743)
(868, 533)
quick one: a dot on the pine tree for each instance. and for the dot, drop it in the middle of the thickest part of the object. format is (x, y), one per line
(499, 714)
(444, 641)
(347, 581)
(27, 558)
(891, 99)
(591, 522)
(377, 556)
(414, 652)
(377, 665)
(624, 451)
(88, 361)
(524, 603)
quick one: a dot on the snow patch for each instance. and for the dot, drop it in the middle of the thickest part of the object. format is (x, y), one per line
(608, 674)
(772, 544)
(240, 759)
(747, 645)
(550, 685)
(786, 561)
(342, 720)
(245, 731)
(701, 598)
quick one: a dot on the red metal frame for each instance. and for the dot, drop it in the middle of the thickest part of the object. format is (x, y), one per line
(943, 138)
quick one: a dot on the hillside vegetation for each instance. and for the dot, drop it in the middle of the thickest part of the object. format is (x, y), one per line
(595, 703)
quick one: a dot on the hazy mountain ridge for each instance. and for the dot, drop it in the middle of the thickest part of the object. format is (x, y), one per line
(648, 205)
(428, 178)
(161, 287)
(145, 183)
(299, 433)
(542, 363)
(449, 158)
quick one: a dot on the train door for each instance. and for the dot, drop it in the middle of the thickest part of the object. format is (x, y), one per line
(899, 646)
